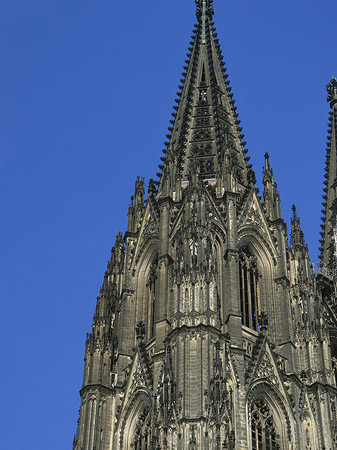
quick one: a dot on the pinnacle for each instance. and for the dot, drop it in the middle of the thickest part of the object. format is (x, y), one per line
(267, 163)
(297, 235)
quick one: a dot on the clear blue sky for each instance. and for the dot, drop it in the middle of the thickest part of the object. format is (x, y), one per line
(86, 92)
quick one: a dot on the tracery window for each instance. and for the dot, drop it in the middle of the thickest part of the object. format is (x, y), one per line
(264, 435)
(152, 298)
(249, 290)
(142, 436)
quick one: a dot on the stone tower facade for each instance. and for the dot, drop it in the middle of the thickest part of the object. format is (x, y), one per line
(211, 330)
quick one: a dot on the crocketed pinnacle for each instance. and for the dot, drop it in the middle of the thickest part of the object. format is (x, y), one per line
(271, 197)
(297, 236)
(205, 124)
(329, 218)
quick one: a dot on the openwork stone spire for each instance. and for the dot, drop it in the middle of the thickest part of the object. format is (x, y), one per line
(205, 126)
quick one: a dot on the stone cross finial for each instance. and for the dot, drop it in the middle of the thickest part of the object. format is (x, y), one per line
(204, 7)
(332, 90)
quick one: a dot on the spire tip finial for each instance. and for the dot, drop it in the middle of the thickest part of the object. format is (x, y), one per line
(267, 163)
(204, 7)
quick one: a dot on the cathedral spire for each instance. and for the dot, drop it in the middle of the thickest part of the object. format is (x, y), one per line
(205, 122)
(330, 183)
(180, 355)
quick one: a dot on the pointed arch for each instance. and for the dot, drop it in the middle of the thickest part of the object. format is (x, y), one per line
(309, 431)
(249, 289)
(146, 274)
(135, 429)
(263, 427)
(270, 418)
(257, 269)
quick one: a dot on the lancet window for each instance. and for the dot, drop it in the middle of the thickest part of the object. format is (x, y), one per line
(142, 436)
(249, 289)
(202, 96)
(152, 298)
(264, 435)
(333, 342)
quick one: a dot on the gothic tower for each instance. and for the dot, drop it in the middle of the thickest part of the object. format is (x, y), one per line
(211, 331)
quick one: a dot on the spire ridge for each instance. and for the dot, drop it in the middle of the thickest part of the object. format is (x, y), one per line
(332, 91)
(330, 184)
(203, 34)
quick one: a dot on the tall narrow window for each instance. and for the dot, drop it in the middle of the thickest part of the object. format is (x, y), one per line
(249, 290)
(152, 298)
(264, 436)
(333, 341)
(203, 76)
(202, 96)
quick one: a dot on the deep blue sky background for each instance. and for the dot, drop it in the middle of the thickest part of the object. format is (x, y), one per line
(86, 92)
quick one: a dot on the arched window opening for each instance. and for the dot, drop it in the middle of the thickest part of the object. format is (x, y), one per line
(309, 432)
(142, 435)
(152, 298)
(202, 96)
(264, 436)
(249, 290)
(334, 369)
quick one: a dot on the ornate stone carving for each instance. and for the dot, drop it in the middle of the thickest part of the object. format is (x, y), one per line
(265, 369)
(202, 149)
(202, 135)
(204, 111)
(252, 217)
(203, 122)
